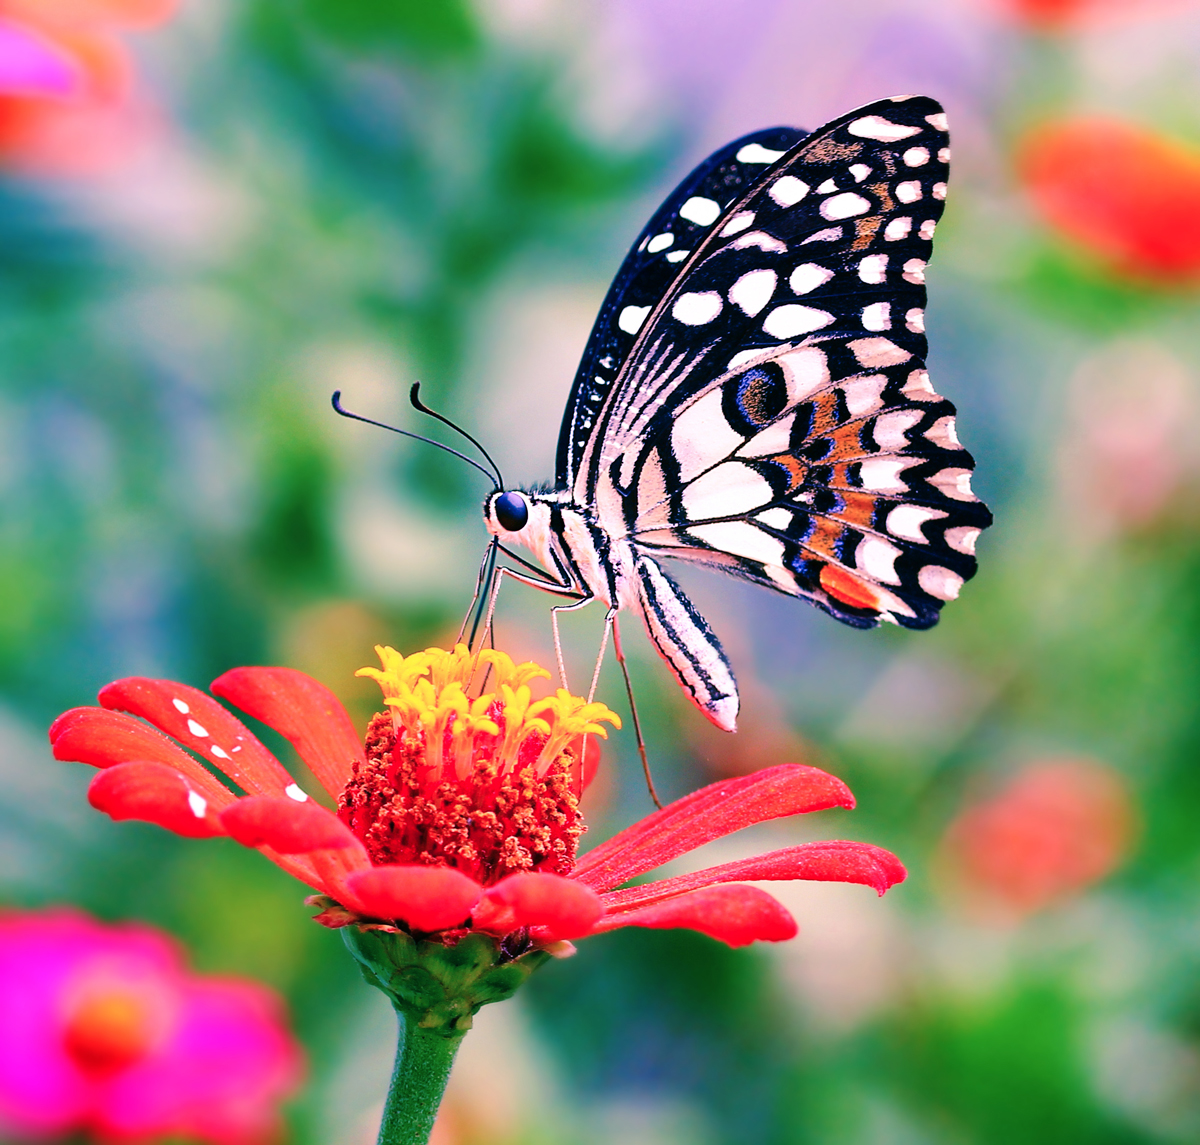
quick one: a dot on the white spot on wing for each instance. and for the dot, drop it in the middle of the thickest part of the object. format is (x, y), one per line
(808, 276)
(914, 271)
(919, 388)
(776, 438)
(739, 222)
(703, 212)
(860, 171)
(678, 255)
(908, 521)
(915, 320)
(728, 490)
(197, 729)
(877, 316)
(897, 229)
(916, 156)
(788, 190)
(660, 242)
(844, 206)
(944, 433)
(293, 791)
(788, 321)
(197, 803)
(701, 436)
(877, 558)
(828, 235)
(927, 229)
(944, 155)
(955, 483)
(827, 188)
(876, 127)
(909, 191)
(760, 239)
(753, 291)
(631, 318)
(877, 352)
(181, 706)
(777, 518)
(873, 269)
(940, 582)
(757, 153)
(805, 371)
(962, 539)
(863, 394)
(891, 429)
(938, 190)
(697, 309)
(743, 356)
(741, 539)
(938, 121)
(882, 474)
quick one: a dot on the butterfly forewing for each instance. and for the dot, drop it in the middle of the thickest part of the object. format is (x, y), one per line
(772, 416)
(652, 265)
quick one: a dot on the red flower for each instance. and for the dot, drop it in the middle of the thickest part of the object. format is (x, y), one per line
(1056, 15)
(457, 814)
(1129, 196)
(1057, 827)
(104, 1031)
(68, 103)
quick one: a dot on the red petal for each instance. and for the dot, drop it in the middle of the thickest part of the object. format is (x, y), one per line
(829, 862)
(707, 814)
(156, 793)
(561, 907)
(427, 898)
(104, 739)
(302, 710)
(735, 915)
(197, 721)
(286, 826)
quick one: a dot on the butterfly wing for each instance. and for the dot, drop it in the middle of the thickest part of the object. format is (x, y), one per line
(651, 266)
(773, 416)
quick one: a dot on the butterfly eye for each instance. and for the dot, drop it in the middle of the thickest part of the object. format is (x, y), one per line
(511, 512)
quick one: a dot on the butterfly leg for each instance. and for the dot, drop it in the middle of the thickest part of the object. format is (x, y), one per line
(637, 723)
(579, 603)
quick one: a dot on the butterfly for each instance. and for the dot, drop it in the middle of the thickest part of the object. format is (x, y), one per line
(753, 398)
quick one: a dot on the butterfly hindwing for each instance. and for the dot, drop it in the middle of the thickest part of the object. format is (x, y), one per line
(649, 269)
(773, 416)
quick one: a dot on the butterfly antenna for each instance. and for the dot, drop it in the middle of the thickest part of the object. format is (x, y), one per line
(339, 408)
(637, 724)
(415, 398)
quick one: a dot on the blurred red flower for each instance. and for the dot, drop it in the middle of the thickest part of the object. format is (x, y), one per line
(68, 100)
(458, 814)
(1056, 15)
(1129, 196)
(1056, 828)
(104, 1031)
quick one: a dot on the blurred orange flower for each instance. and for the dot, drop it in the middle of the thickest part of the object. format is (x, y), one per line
(1129, 196)
(68, 100)
(1056, 828)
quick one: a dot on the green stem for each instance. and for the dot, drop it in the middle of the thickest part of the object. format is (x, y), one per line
(423, 1061)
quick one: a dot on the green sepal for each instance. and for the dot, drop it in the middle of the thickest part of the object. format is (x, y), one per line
(440, 988)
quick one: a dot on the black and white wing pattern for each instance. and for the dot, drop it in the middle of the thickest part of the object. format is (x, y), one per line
(754, 395)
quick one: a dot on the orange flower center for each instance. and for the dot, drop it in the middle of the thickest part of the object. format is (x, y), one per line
(108, 1031)
(488, 785)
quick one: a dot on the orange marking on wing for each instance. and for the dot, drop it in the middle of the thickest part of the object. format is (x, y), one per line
(858, 508)
(849, 589)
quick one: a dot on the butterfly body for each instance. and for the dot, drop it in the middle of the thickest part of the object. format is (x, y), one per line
(753, 398)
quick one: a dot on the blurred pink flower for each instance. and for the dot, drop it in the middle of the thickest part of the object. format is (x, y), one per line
(1056, 828)
(103, 1030)
(68, 99)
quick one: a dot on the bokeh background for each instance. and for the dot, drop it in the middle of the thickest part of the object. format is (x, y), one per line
(250, 203)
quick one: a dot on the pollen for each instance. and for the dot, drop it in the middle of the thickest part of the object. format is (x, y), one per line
(487, 782)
